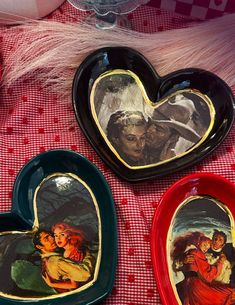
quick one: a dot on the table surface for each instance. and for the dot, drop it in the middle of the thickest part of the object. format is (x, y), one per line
(34, 120)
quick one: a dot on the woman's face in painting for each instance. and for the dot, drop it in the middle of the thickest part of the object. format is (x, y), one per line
(204, 246)
(61, 237)
(132, 141)
(157, 135)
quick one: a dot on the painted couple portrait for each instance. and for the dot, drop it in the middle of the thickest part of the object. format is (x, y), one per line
(61, 255)
(66, 263)
(141, 133)
(208, 267)
(203, 260)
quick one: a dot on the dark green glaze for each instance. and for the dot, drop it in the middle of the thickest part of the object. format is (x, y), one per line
(21, 218)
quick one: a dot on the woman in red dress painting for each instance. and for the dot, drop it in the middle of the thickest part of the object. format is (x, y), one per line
(198, 285)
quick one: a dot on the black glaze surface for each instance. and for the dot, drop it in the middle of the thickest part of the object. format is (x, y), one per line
(156, 87)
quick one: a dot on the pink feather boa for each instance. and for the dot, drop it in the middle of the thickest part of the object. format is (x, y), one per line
(56, 49)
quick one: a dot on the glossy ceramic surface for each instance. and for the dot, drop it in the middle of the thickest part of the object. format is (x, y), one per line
(197, 211)
(116, 85)
(60, 201)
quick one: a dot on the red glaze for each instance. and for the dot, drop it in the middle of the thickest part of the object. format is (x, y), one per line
(196, 184)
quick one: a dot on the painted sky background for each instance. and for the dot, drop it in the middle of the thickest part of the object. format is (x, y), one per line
(202, 214)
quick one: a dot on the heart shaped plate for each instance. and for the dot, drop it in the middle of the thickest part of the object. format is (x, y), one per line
(143, 125)
(193, 242)
(58, 245)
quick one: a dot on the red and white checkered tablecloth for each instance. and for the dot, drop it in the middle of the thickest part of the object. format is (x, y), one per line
(33, 120)
(201, 9)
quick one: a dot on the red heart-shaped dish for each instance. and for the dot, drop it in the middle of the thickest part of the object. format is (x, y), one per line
(192, 242)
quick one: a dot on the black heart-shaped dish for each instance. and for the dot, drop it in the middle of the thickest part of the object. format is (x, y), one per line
(58, 245)
(143, 125)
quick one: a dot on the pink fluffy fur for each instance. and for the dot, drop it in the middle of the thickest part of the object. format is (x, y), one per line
(60, 48)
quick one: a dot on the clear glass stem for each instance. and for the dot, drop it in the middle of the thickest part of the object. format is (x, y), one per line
(106, 22)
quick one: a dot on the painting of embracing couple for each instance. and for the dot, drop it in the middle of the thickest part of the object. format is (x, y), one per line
(66, 263)
(61, 254)
(202, 254)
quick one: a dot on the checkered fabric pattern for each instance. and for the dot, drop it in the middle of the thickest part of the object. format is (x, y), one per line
(33, 120)
(199, 9)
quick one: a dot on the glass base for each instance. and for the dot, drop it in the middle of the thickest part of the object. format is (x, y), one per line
(108, 21)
